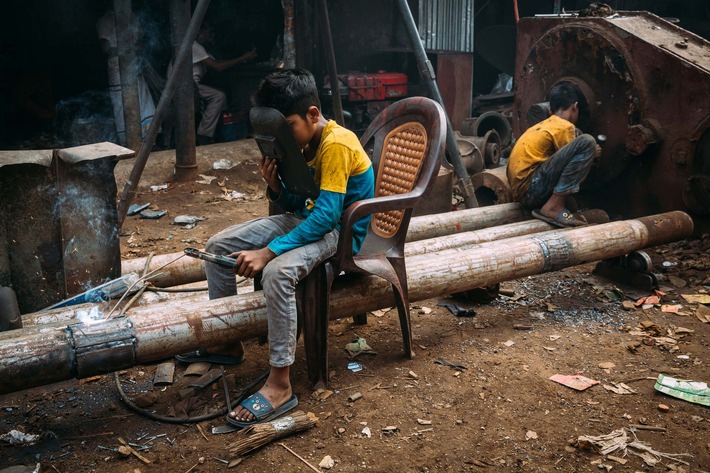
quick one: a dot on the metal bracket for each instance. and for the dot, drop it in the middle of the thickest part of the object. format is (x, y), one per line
(632, 270)
(103, 347)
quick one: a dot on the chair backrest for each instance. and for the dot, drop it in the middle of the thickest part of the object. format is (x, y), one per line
(406, 142)
(401, 160)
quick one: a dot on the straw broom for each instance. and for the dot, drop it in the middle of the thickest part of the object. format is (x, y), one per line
(258, 435)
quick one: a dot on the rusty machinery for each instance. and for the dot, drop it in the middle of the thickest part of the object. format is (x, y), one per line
(647, 84)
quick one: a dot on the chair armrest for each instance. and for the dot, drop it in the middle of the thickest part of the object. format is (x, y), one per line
(362, 208)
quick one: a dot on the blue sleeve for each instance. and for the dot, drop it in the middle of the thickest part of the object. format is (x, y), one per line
(286, 200)
(324, 217)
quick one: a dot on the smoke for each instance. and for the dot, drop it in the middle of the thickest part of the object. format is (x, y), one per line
(84, 119)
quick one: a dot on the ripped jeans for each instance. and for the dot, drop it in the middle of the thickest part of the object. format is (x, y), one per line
(279, 277)
(562, 173)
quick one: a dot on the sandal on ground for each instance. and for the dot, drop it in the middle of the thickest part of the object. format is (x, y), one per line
(262, 410)
(563, 219)
(205, 357)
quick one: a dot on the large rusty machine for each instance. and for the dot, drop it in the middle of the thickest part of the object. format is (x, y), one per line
(647, 85)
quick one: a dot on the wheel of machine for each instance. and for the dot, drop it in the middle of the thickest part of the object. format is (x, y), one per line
(639, 262)
(585, 55)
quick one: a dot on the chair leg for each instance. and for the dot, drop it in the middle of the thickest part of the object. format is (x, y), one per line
(401, 296)
(316, 311)
(263, 339)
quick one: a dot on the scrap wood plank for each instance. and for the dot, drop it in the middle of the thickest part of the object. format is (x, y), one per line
(134, 452)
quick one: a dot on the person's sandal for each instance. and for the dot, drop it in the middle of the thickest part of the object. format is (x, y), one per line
(563, 219)
(204, 356)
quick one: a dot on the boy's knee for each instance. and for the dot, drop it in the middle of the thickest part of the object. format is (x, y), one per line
(587, 141)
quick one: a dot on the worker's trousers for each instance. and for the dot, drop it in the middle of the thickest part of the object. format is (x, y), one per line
(562, 173)
(213, 103)
(278, 279)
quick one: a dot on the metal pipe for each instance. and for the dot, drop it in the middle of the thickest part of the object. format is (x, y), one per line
(330, 60)
(426, 72)
(183, 108)
(129, 190)
(45, 354)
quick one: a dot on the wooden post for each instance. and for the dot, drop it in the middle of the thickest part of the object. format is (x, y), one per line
(126, 45)
(45, 354)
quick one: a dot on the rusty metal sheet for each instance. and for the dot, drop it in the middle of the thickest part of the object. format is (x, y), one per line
(660, 33)
(31, 234)
(94, 151)
(86, 207)
(59, 232)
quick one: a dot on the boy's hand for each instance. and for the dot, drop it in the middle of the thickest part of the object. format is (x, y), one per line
(599, 151)
(251, 262)
(269, 172)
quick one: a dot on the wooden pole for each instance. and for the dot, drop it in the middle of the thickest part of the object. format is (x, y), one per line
(192, 267)
(45, 354)
(188, 270)
(128, 67)
(129, 190)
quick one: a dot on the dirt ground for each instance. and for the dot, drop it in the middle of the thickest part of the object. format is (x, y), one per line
(498, 411)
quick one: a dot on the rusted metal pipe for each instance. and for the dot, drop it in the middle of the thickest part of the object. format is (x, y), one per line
(427, 74)
(330, 61)
(492, 186)
(45, 354)
(183, 109)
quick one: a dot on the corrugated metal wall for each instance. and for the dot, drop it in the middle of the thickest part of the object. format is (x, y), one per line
(446, 25)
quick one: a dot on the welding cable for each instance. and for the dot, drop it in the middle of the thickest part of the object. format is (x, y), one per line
(135, 297)
(188, 420)
(172, 289)
(185, 289)
(143, 278)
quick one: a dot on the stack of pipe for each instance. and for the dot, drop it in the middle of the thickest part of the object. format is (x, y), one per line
(46, 353)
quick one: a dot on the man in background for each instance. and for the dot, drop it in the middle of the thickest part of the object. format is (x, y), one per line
(212, 100)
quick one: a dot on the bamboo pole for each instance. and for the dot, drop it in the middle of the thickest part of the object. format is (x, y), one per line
(48, 353)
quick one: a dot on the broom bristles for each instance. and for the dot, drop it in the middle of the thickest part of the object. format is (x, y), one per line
(258, 435)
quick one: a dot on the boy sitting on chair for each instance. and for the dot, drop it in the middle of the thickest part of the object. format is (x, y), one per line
(285, 248)
(549, 161)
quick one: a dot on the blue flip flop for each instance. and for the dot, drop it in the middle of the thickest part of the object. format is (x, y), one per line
(262, 409)
(204, 356)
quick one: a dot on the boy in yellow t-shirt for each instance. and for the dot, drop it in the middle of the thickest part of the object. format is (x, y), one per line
(549, 161)
(286, 247)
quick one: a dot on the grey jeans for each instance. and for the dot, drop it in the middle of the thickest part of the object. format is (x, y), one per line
(279, 277)
(562, 173)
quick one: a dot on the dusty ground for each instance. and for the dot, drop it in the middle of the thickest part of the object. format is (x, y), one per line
(500, 413)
